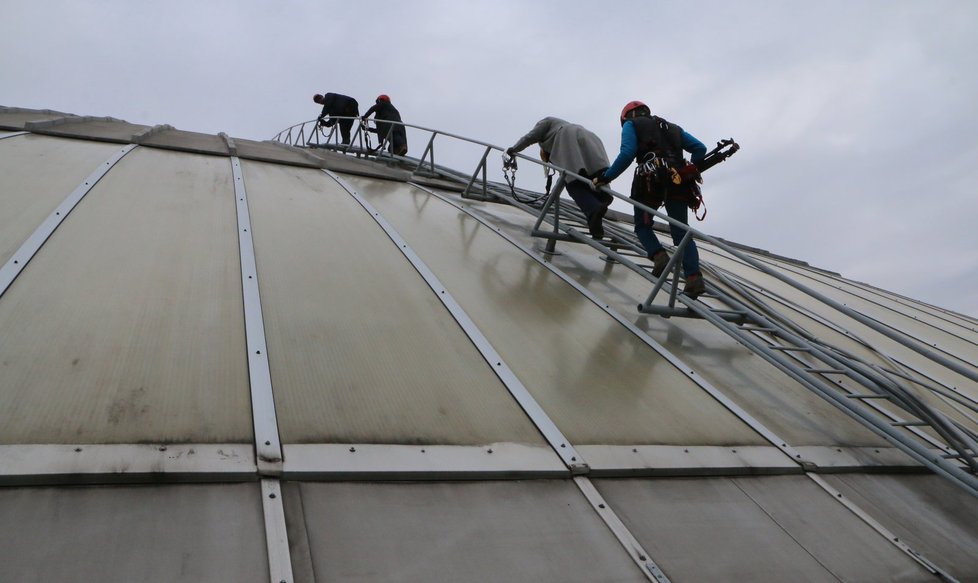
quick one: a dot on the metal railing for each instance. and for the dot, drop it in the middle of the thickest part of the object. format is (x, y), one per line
(745, 315)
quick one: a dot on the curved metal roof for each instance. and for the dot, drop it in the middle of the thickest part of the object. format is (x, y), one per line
(231, 359)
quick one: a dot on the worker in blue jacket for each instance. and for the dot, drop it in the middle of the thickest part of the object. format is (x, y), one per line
(645, 138)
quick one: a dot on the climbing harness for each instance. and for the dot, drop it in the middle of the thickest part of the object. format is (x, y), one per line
(656, 172)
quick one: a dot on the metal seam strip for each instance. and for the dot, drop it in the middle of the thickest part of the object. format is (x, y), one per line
(551, 433)
(267, 444)
(276, 533)
(58, 464)
(634, 548)
(420, 462)
(879, 528)
(65, 463)
(26, 252)
(672, 358)
(13, 135)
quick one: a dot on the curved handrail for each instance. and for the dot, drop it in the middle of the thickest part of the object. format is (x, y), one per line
(891, 333)
(962, 442)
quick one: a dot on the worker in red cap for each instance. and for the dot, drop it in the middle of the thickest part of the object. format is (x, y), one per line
(647, 138)
(335, 104)
(393, 133)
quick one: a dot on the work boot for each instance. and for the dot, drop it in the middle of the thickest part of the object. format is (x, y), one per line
(694, 285)
(595, 223)
(659, 261)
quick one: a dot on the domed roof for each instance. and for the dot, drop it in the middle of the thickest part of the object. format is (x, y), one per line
(225, 359)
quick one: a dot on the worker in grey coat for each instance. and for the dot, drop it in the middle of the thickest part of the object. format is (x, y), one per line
(574, 148)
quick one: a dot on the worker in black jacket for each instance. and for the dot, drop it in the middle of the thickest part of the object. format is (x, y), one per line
(339, 105)
(392, 132)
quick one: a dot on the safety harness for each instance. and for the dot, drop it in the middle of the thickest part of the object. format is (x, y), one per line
(663, 174)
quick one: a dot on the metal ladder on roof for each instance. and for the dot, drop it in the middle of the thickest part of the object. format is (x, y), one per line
(878, 397)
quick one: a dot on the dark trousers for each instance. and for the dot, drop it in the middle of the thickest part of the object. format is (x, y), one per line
(399, 140)
(678, 210)
(396, 137)
(589, 201)
(345, 126)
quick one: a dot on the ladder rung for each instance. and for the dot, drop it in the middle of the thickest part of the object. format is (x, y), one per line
(908, 423)
(871, 396)
(753, 328)
(728, 312)
(950, 456)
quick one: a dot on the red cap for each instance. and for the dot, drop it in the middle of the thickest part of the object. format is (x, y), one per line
(383, 98)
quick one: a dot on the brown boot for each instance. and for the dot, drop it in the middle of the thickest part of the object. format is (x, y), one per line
(694, 285)
(659, 261)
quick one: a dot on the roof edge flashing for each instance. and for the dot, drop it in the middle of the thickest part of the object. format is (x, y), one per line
(229, 142)
(37, 125)
(140, 137)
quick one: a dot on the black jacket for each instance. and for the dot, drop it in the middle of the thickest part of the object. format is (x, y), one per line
(386, 112)
(336, 104)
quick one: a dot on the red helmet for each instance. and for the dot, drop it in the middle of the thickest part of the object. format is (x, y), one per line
(318, 98)
(631, 106)
(383, 98)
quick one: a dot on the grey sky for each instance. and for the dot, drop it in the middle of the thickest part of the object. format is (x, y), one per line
(858, 120)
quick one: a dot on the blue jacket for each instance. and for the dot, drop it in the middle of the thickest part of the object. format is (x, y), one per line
(629, 149)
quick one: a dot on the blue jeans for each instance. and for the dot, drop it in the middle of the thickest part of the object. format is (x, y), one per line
(677, 210)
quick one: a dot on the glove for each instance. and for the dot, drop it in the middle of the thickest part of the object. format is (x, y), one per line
(598, 181)
(510, 152)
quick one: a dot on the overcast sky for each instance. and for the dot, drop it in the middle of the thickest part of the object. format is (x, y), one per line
(858, 120)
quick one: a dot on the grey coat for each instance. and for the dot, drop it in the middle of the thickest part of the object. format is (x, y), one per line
(570, 146)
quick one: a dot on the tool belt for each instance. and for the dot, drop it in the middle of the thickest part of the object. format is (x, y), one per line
(657, 180)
